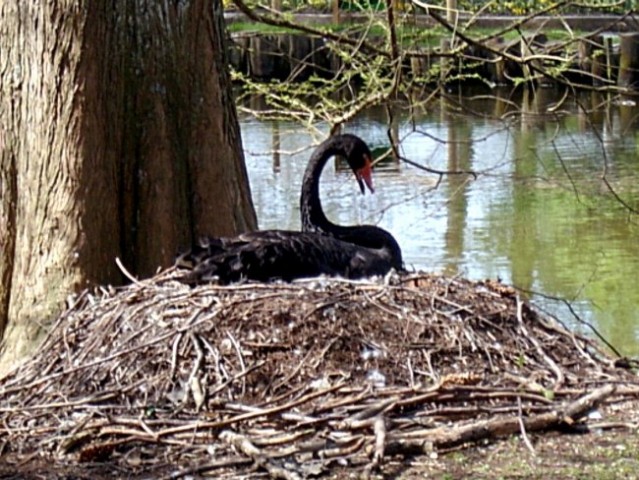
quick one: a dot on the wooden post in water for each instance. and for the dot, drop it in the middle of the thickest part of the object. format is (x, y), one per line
(598, 61)
(608, 53)
(444, 62)
(415, 66)
(496, 66)
(420, 65)
(451, 11)
(526, 52)
(277, 147)
(629, 61)
(335, 9)
(530, 67)
(276, 5)
(395, 138)
(586, 52)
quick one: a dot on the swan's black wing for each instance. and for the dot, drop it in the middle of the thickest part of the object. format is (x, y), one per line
(277, 254)
(207, 247)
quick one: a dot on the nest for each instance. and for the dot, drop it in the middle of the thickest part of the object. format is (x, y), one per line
(296, 380)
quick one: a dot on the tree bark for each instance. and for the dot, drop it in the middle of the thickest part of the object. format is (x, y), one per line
(120, 139)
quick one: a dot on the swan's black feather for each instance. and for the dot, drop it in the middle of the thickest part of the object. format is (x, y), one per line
(321, 248)
(281, 255)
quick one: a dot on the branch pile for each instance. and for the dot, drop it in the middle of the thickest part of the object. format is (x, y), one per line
(295, 380)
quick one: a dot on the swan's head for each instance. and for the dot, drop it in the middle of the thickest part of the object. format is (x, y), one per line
(360, 159)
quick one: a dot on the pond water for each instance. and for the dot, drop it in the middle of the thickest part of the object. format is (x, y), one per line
(544, 211)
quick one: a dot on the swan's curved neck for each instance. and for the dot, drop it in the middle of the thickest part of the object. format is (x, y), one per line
(313, 217)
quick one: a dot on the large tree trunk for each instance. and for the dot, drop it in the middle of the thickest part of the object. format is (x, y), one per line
(119, 137)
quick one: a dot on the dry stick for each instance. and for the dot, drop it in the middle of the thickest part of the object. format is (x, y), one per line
(332, 405)
(126, 273)
(283, 438)
(443, 437)
(583, 405)
(411, 373)
(522, 428)
(241, 442)
(199, 395)
(108, 358)
(249, 416)
(614, 425)
(289, 393)
(476, 393)
(321, 444)
(77, 436)
(443, 414)
(627, 391)
(146, 428)
(289, 416)
(236, 377)
(379, 428)
(549, 361)
(98, 397)
(576, 317)
(174, 354)
(220, 370)
(356, 445)
(324, 305)
(207, 467)
(238, 350)
(576, 340)
(95, 398)
(367, 417)
(294, 372)
(244, 444)
(460, 308)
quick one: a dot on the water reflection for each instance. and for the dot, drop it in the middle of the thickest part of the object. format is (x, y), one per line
(543, 212)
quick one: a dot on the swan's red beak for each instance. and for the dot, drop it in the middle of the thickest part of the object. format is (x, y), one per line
(364, 175)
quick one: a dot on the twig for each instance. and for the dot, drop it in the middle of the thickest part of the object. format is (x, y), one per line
(125, 272)
(207, 467)
(522, 429)
(555, 368)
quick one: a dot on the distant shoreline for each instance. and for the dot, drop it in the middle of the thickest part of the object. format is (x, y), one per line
(610, 23)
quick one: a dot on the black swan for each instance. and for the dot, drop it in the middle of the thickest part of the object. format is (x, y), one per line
(321, 248)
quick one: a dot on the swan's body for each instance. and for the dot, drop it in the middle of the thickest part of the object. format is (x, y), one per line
(322, 248)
